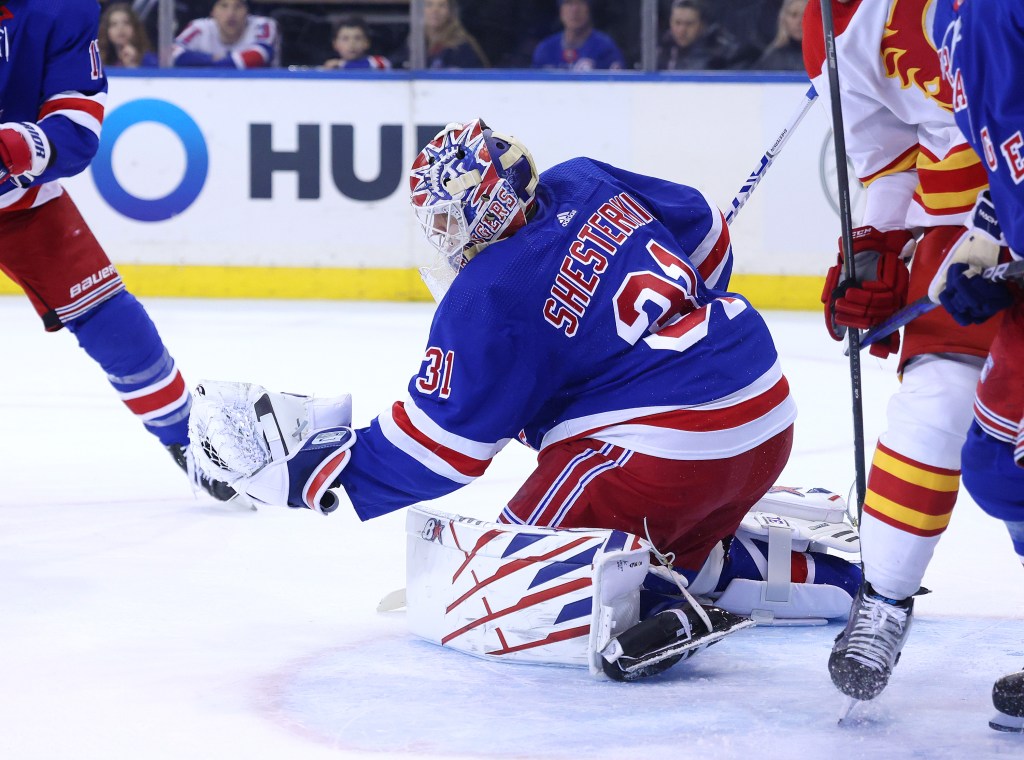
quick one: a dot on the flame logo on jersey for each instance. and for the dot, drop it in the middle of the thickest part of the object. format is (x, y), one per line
(908, 54)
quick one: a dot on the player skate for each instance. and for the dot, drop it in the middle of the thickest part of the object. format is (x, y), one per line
(218, 489)
(865, 653)
(654, 645)
(1008, 699)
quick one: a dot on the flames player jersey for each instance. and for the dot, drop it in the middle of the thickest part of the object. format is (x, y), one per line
(605, 317)
(50, 74)
(199, 44)
(897, 109)
(977, 40)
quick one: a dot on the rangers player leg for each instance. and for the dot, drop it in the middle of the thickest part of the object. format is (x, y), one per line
(996, 483)
(993, 465)
(912, 487)
(119, 335)
(51, 253)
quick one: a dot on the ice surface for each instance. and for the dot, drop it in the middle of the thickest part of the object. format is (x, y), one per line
(140, 622)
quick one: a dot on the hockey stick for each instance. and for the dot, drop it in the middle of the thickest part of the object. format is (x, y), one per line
(846, 218)
(769, 156)
(1013, 270)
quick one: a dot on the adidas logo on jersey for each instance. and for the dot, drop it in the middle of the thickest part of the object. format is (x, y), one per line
(565, 217)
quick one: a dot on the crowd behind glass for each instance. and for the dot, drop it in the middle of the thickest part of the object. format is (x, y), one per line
(702, 35)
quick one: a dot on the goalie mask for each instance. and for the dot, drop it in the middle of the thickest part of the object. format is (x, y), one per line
(470, 187)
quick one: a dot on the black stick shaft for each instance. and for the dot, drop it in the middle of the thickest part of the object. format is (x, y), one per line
(846, 218)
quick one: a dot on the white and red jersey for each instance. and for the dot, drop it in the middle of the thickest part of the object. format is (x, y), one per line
(897, 112)
(200, 44)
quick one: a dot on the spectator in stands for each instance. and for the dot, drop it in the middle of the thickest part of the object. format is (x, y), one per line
(786, 51)
(578, 46)
(449, 45)
(123, 40)
(693, 43)
(229, 38)
(351, 43)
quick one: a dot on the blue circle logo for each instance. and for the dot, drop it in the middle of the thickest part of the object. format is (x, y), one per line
(197, 160)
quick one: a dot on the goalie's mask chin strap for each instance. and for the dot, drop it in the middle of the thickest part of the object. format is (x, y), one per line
(666, 559)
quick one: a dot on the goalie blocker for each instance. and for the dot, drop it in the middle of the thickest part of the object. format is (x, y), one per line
(580, 597)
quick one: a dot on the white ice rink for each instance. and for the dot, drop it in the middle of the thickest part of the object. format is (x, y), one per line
(138, 622)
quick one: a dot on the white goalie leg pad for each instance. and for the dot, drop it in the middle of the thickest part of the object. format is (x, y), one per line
(521, 593)
(817, 518)
(792, 520)
(236, 429)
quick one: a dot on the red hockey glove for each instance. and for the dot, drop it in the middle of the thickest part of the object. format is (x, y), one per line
(878, 291)
(25, 151)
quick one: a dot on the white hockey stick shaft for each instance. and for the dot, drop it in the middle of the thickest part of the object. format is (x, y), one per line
(769, 156)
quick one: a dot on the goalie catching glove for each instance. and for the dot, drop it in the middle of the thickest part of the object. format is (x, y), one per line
(879, 288)
(278, 448)
(969, 298)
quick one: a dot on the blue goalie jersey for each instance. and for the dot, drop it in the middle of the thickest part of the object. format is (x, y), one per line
(981, 49)
(607, 317)
(50, 74)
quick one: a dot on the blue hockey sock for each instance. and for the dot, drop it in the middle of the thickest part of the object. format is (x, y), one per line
(119, 335)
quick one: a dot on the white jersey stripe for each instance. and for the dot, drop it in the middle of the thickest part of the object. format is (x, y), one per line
(401, 440)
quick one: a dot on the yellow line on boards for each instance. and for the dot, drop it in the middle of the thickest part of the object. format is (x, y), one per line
(791, 293)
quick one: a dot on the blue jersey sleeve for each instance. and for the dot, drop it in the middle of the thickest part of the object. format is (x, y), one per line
(480, 380)
(975, 40)
(73, 90)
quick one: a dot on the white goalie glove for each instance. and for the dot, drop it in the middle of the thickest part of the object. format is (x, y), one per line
(278, 448)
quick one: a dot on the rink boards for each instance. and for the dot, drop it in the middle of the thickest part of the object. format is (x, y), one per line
(292, 184)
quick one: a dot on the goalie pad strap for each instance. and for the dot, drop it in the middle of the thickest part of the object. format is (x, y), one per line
(780, 548)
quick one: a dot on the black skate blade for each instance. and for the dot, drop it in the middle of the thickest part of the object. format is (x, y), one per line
(1007, 723)
(847, 709)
